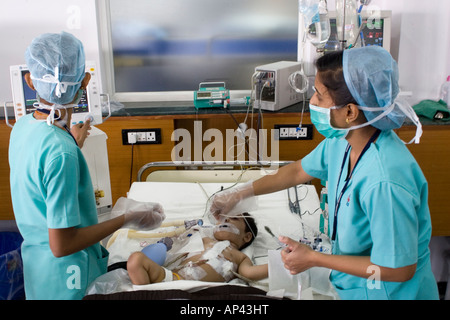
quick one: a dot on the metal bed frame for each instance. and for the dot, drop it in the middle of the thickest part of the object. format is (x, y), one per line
(212, 169)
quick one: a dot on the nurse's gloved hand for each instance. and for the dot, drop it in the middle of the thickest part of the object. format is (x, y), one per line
(232, 201)
(297, 257)
(139, 215)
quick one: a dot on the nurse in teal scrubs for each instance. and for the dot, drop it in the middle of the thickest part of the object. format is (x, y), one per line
(379, 220)
(51, 189)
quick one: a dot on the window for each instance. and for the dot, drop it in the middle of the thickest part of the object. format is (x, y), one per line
(165, 48)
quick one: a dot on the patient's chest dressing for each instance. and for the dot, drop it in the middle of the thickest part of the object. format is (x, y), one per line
(216, 263)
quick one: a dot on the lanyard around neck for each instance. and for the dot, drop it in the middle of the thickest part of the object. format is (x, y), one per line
(338, 199)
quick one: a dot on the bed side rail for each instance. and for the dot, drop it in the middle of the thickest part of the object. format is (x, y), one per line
(211, 165)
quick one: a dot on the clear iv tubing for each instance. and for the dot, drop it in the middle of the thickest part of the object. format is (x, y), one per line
(304, 82)
(304, 79)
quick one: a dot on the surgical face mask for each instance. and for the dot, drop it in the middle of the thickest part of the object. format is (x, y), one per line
(320, 117)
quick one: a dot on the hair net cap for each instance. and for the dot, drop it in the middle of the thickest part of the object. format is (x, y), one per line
(57, 66)
(371, 75)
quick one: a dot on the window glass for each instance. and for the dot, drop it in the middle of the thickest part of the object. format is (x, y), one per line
(173, 45)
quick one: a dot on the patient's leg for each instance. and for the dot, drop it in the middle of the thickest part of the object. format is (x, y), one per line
(143, 270)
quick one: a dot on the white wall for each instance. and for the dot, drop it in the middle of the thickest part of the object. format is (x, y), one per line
(420, 37)
(23, 20)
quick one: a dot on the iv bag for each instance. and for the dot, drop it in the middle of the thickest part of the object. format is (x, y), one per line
(309, 9)
(347, 30)
(319, 30)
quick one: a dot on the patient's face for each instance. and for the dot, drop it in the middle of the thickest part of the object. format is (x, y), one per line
(233, 230)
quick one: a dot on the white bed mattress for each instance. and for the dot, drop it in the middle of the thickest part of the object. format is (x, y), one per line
(186, 201)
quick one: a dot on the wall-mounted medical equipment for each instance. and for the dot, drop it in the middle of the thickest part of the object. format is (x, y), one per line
(361, 28)
(374, 30)
(90, 106)
(211, 95)
(271, 85)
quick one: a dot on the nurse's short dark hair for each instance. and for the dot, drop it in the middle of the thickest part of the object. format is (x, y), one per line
(331, 73)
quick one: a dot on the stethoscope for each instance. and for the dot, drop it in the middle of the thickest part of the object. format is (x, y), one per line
(338, 201)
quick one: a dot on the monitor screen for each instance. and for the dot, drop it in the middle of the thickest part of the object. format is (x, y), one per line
(29, 96)
(371, 36)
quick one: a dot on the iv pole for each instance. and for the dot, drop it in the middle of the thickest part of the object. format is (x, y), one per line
(343, 41)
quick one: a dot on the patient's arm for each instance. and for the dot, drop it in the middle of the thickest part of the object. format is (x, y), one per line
(253, 272)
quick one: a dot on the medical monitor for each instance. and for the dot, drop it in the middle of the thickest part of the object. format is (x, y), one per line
(24, 97)
(376, 30)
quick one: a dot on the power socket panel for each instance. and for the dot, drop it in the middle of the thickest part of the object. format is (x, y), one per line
(141, 136)
(292, 132)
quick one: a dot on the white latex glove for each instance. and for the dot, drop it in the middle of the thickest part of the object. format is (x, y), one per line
(139, 215)
(233, 201)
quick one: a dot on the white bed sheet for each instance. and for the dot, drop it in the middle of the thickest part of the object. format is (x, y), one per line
(186, 201)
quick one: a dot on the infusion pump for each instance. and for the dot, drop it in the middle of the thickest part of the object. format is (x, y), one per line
(272, 89)
(90, 106)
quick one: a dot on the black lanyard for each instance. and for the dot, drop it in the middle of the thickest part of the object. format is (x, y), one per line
(338, 199)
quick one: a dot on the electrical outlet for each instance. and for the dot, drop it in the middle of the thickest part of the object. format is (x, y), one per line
(284, 132)
(302, 132)
(293, 132)
(141, 136)
(151, 136)
(132, 137)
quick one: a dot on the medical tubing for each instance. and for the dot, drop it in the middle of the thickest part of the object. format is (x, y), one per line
(134, 234)
(230, 187)
(305, 80)
(186, 223)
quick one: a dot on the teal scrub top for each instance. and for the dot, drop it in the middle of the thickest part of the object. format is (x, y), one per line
(51, 188)
(383, 214)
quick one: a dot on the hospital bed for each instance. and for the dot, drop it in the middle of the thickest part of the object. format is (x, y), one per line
(184, 191)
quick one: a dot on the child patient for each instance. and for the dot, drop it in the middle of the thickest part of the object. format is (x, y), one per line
(217, 263)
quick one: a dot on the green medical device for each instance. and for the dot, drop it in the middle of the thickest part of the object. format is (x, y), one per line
(211, 95)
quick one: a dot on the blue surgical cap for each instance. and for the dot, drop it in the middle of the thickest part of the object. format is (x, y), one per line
(57, 66)
(371, 75)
